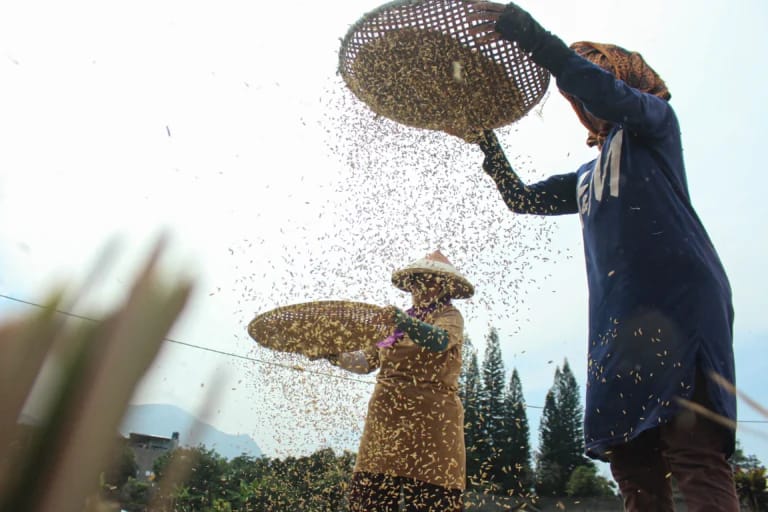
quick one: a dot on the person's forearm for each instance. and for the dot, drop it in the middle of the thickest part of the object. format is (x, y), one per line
(554, 196)
(603, 95)
(610, 99)
(423, 334)
(512, 189)
(599, 90)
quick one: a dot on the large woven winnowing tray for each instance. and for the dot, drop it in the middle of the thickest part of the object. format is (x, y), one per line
(319, 328)
(415, 63)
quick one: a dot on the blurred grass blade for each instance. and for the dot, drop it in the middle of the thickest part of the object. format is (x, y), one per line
(100, 364)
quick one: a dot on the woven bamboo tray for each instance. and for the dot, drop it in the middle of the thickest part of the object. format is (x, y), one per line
(319, 328)
(414, 62)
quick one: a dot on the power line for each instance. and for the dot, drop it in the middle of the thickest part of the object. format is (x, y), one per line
(200, 347)
(248, 358)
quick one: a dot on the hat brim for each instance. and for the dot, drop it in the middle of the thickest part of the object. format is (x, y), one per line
(458, 286)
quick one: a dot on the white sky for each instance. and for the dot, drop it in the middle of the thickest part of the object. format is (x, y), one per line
(224, 124)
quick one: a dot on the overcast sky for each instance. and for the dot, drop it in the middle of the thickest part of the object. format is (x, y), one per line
(225, 125)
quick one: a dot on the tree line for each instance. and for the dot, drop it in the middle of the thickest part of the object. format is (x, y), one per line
(500, 461)
(497, 432)
(200, 480)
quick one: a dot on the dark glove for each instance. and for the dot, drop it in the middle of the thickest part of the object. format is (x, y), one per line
(489, 143)
(495, 162)
(547, 50)
(516, 24)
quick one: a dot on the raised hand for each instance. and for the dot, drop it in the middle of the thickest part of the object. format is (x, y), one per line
(488, 142)
(471, 136)
(496, 21)
(484, 16)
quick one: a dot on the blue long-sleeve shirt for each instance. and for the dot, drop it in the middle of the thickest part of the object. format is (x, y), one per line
(659, 300)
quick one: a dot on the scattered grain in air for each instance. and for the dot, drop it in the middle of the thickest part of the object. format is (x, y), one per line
(387, 176)
(457, 71)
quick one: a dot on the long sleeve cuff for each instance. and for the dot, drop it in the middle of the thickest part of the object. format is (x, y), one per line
(489, 144)
(495, 161)
(426, 335)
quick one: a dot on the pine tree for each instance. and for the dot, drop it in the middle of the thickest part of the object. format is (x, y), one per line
(491, 409)
(549, 478)
(469, 390)
(517, 475)
(561, 436)
(571, 417)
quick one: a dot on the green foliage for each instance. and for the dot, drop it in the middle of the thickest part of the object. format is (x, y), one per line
(135, 495)
(549, 472)
(273, 493)
(561, 438)
(98, 364)
(585, 482)
(750, 478)
(571, 417)
(469, 392)
(315, 483)
(515, 447)
(489, 440)
(742, 461)
(122, 468)
(124, 465)
(204, 477)
(60, 463)
(497, 433)
(751, 488)
(220, 505)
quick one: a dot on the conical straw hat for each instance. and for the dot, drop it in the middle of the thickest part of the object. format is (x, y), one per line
(436, 264)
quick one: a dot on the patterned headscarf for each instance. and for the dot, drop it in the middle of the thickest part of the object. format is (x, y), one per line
(627, 66)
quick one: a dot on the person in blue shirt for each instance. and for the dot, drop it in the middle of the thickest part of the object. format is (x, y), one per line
(660, 309)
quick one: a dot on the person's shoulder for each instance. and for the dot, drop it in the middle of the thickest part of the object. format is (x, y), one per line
(449, 318)
(661, 105)
(586, 166)
(449, 310)
(672, 114)
(666, 121)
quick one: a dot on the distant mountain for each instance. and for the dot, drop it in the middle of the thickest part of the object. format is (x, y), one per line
(163, 420)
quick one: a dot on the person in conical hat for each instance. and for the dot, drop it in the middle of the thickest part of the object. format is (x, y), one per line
(437, 266)
(660, 306)
(413, 440)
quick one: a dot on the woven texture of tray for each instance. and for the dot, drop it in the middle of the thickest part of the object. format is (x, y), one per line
(319, 328)
(414, 62)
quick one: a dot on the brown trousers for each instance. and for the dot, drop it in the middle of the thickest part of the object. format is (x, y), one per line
(692, 450)
(373, 492)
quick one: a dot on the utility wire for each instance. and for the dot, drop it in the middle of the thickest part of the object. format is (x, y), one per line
(200, 347)
(248, 358)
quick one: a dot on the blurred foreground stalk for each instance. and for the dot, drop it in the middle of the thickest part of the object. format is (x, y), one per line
(56, 467)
